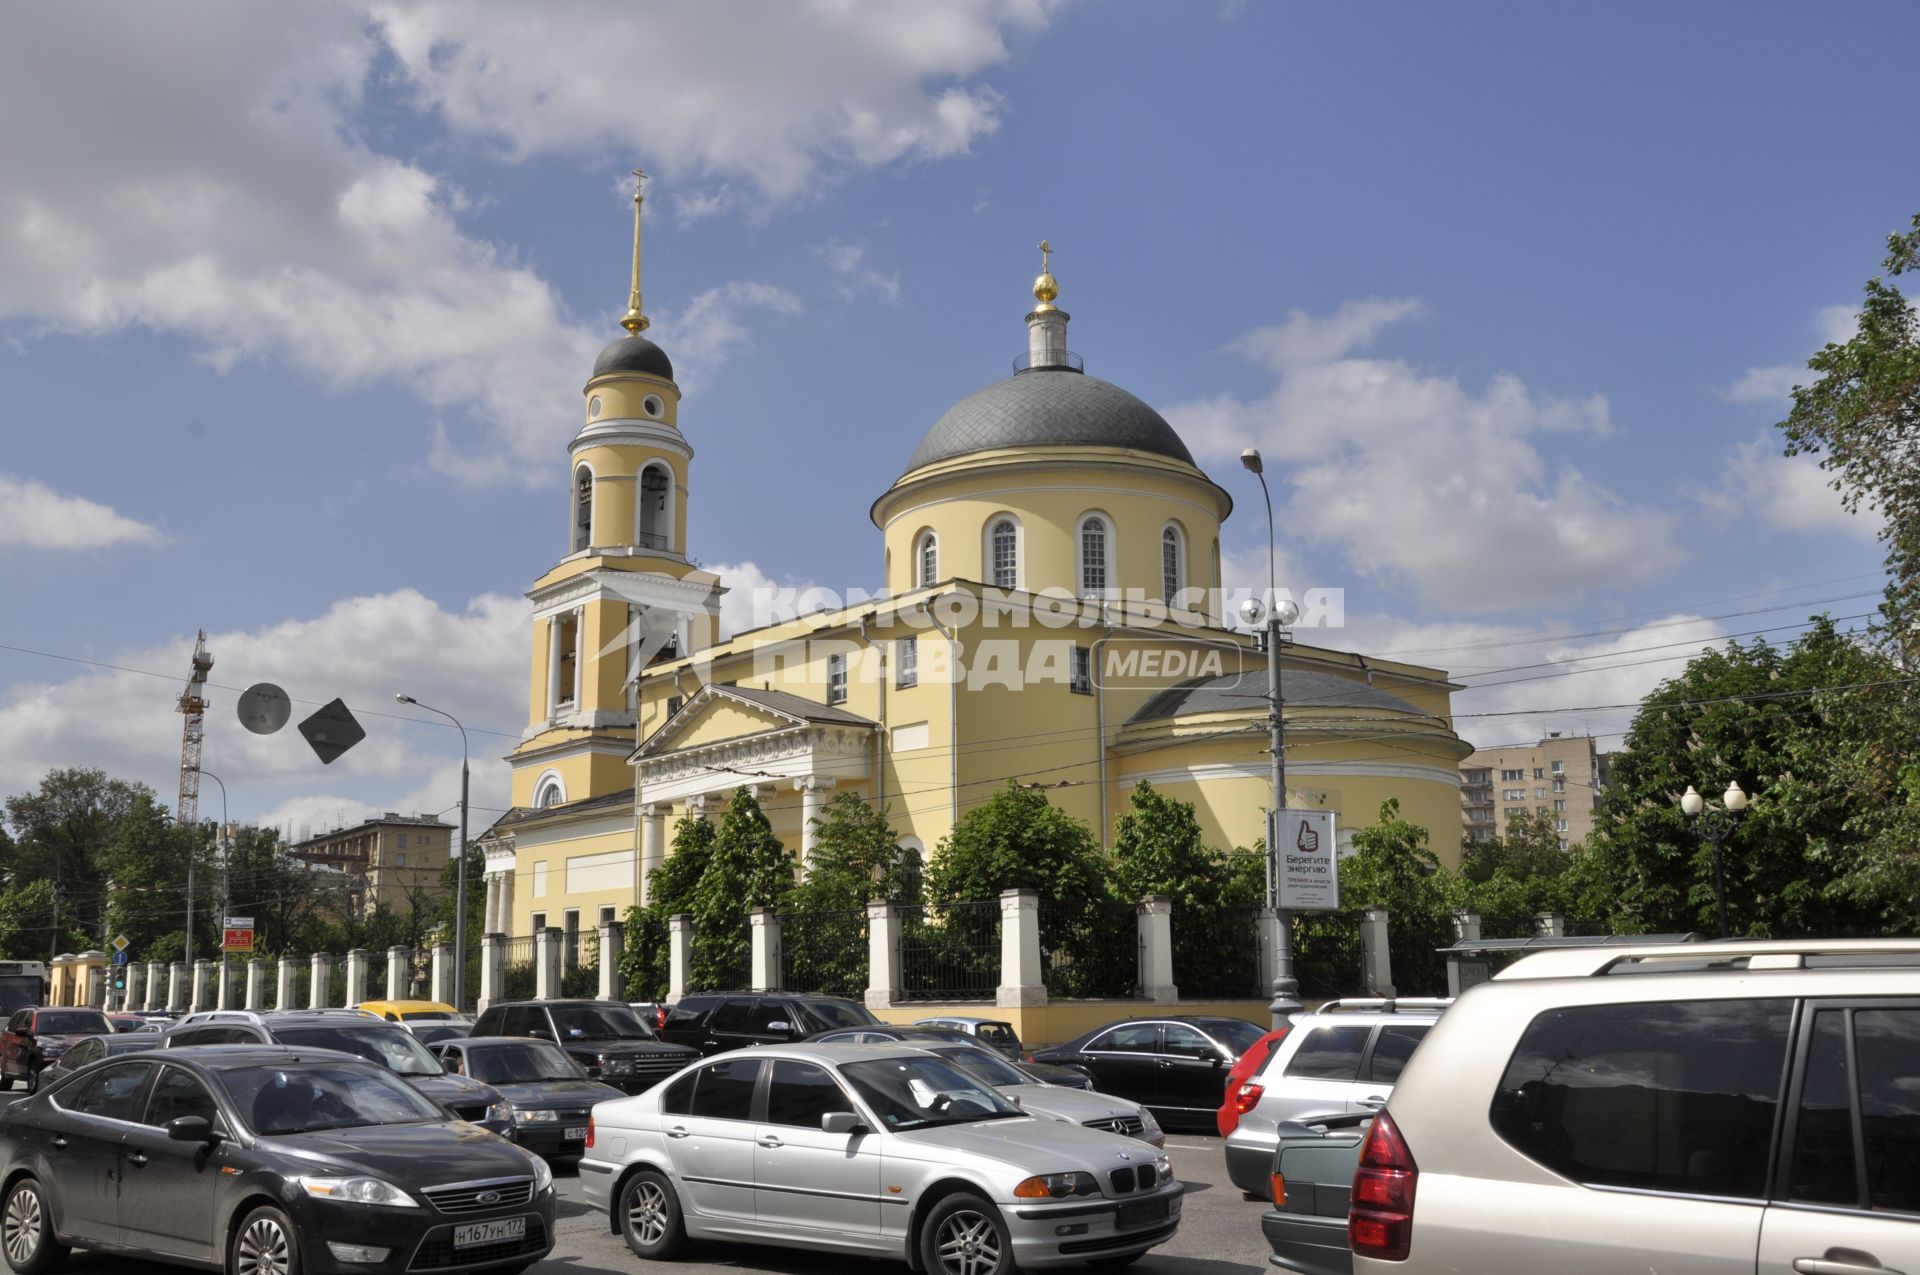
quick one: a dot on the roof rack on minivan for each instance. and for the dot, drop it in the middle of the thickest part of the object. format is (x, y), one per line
(1382, 1004)
(1721, 955)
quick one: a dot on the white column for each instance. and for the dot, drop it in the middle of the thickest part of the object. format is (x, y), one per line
(813, 792)
(442, 990)
(546, 963)
(1020, 981)
(399, 973)
(506, 902)
(697, 805)
(283, 987)
(883, 955)
(579, 655)
(1154, 917)
(256, 983)
(679, 955)
(613, 935)
(553, 667)
(1376, 962)
(320, 985)
(653, 846)
(763, 934)
(356, 976)
(493, 969)
(491, 923)
(202, 986)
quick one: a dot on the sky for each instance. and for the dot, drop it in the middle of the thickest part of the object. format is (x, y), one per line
(296, 302)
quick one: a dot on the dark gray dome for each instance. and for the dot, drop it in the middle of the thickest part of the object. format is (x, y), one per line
(1241, 692)
(634, 354)
(1048, 407)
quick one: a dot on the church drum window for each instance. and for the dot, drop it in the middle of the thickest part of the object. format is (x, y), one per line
(926, 559)
(582, 508)
(1093, 555)
(655, 487)
(1172, 563)
(1006, 555)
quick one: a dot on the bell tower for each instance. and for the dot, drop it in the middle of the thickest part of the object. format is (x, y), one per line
(624, 592)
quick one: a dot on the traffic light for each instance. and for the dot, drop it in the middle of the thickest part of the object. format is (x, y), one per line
(119, 982)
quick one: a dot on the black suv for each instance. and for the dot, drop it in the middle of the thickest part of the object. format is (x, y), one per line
(606, 1037)
(716, 1021)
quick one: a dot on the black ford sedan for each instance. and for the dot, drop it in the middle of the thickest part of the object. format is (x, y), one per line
(550, 1093)
(262, 1160)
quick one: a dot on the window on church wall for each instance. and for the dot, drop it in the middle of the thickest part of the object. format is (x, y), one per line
(836, 679)
(906, 662)
(1095, 540)
(926, 560)
(1082, 676)
(1172, 564)
(569, 639)
(1006, 555)
(656, 487)
(582, 508)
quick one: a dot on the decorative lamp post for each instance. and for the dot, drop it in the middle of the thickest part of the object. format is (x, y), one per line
(1286, 989)
(460, 873)
(1715, 824)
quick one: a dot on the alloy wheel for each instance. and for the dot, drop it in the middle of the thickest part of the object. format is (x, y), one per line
(969, 1244)
(21, 1226)
(264, 1249)
(647, 1213)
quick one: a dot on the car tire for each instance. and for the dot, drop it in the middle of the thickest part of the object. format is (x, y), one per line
(650, 1219)
(264, 1244)
(26, 1230)
(965, 1235)
(6, 1082)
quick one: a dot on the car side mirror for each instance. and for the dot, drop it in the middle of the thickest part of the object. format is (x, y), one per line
(842, 1122)
(780, 1027)
(541, 1033)
(190, 1129)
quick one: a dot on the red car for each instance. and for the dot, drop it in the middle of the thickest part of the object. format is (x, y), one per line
(35, 1037)
(1250, 1060)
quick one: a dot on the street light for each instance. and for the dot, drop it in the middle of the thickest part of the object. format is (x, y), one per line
(1286, 989)
(1715, 824)
(208, 774)
(460, 873)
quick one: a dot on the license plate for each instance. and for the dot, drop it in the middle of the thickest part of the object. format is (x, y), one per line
(1143, 1213)
(576, 1134)
(472, 1233)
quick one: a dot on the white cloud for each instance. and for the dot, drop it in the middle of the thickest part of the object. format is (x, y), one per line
(852, 276)
(228, 193)
(773, 96)
(713, 327)
(36, 516)
(1790, 492)
(1833, 325)
(1425, 482)
(470, 662)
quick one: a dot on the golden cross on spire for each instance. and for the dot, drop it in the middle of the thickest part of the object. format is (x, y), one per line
(1046, 250)
(633, 320)
(1046, 287)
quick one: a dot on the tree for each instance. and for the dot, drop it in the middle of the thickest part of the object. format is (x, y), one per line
(1018, 840)
(748, 868)
(1819, 741)
(644, 964)
(1158, 849)
(1392, 867)
(60, 830)
(856, 858)
(1862, 418)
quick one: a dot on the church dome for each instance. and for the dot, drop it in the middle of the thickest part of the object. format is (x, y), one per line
(1048, 407)
(634, 354)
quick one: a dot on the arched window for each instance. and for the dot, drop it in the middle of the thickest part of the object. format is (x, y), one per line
(1173, 563)
(656, 513)
(582, 508)
(549, 792)
(1096, 554)
(926, 560)
(1003, 554)
(910, 881)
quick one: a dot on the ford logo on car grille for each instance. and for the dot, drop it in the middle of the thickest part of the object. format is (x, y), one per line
(487, 1197)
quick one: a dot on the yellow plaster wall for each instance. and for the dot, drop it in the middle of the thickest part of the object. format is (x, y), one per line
(622, 394)
(554, 855)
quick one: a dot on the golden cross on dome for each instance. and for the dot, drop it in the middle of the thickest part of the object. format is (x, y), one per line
(634, 321)
(1046, 250)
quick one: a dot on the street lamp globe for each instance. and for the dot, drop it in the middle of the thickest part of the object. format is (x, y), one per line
(1735, 797)
(1252, 610)
(1286, 610)
(1250, 458)
(1691, 802)
(404, 698)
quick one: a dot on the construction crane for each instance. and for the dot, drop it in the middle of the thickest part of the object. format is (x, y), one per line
(193, 705)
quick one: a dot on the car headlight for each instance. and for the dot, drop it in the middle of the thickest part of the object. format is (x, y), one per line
(358, 1191)
(536, 1117)
(501, 1111)
(542, 1174)
(618, 1067)
(1148, 1125)
(1165, 1166)
(1057, 1186)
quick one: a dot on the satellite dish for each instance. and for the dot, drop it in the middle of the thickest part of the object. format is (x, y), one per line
(264, 708)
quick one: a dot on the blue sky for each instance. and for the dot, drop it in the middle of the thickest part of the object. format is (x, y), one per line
(297, 303)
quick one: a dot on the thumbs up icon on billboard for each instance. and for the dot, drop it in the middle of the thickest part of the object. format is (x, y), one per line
(1308, 842)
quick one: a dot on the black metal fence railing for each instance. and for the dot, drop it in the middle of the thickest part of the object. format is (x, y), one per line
(1500, 926)
(1327, 955)
(950, 952)
(1216, 953)
(377, 978)
(580, 977)
(824, 953)
(1089, 948)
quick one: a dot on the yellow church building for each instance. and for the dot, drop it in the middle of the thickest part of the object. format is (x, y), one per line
(1051, 614)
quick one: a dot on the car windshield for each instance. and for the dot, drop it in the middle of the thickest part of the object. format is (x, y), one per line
(78, 1022)
(433, 1034)
(307, 1099)
(392, 1047)
(1238, 1036)
(920, 1093)
(429, 1016)
(520, 1062)
(827, 1015)
(599, 1022)
(984, 1065)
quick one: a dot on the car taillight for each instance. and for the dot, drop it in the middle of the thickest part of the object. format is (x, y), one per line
(1380, 1216)
(1277, 1188)
(589, 1132)
(1249, 1095)
(660, 1017)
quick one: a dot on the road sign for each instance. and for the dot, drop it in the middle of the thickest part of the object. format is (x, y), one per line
(1300, 854)
(237, 941)
(121, 942)
(332, 731)
(120, 957)
(239, 923)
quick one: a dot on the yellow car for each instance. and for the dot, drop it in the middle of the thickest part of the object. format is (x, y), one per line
(430, 1021)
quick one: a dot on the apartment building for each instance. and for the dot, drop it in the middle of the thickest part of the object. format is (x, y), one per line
(1560, 775)
(393, 861)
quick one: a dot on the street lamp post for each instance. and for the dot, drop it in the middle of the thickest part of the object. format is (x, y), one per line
(224, 899)
(1280, 613)
(1715, 824)
(460, 873)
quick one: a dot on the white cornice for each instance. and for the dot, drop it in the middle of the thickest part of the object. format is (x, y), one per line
(1260, 771)
(631, 431)
(690, 595)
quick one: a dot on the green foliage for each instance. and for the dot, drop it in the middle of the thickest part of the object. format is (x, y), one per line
(59, 831)
(1393, 868)
(1017, 840)
(856, 858)
(748, 868)
(1158, 849)
(645, 962)
(1862, 417)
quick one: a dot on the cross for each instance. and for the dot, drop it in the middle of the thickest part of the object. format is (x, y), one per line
(1045, 249)
(639, 186)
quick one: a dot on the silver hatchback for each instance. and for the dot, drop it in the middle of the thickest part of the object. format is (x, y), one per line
(871, 1150)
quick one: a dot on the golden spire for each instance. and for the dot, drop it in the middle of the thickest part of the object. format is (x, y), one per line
(633, 321)
(1046, 287)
